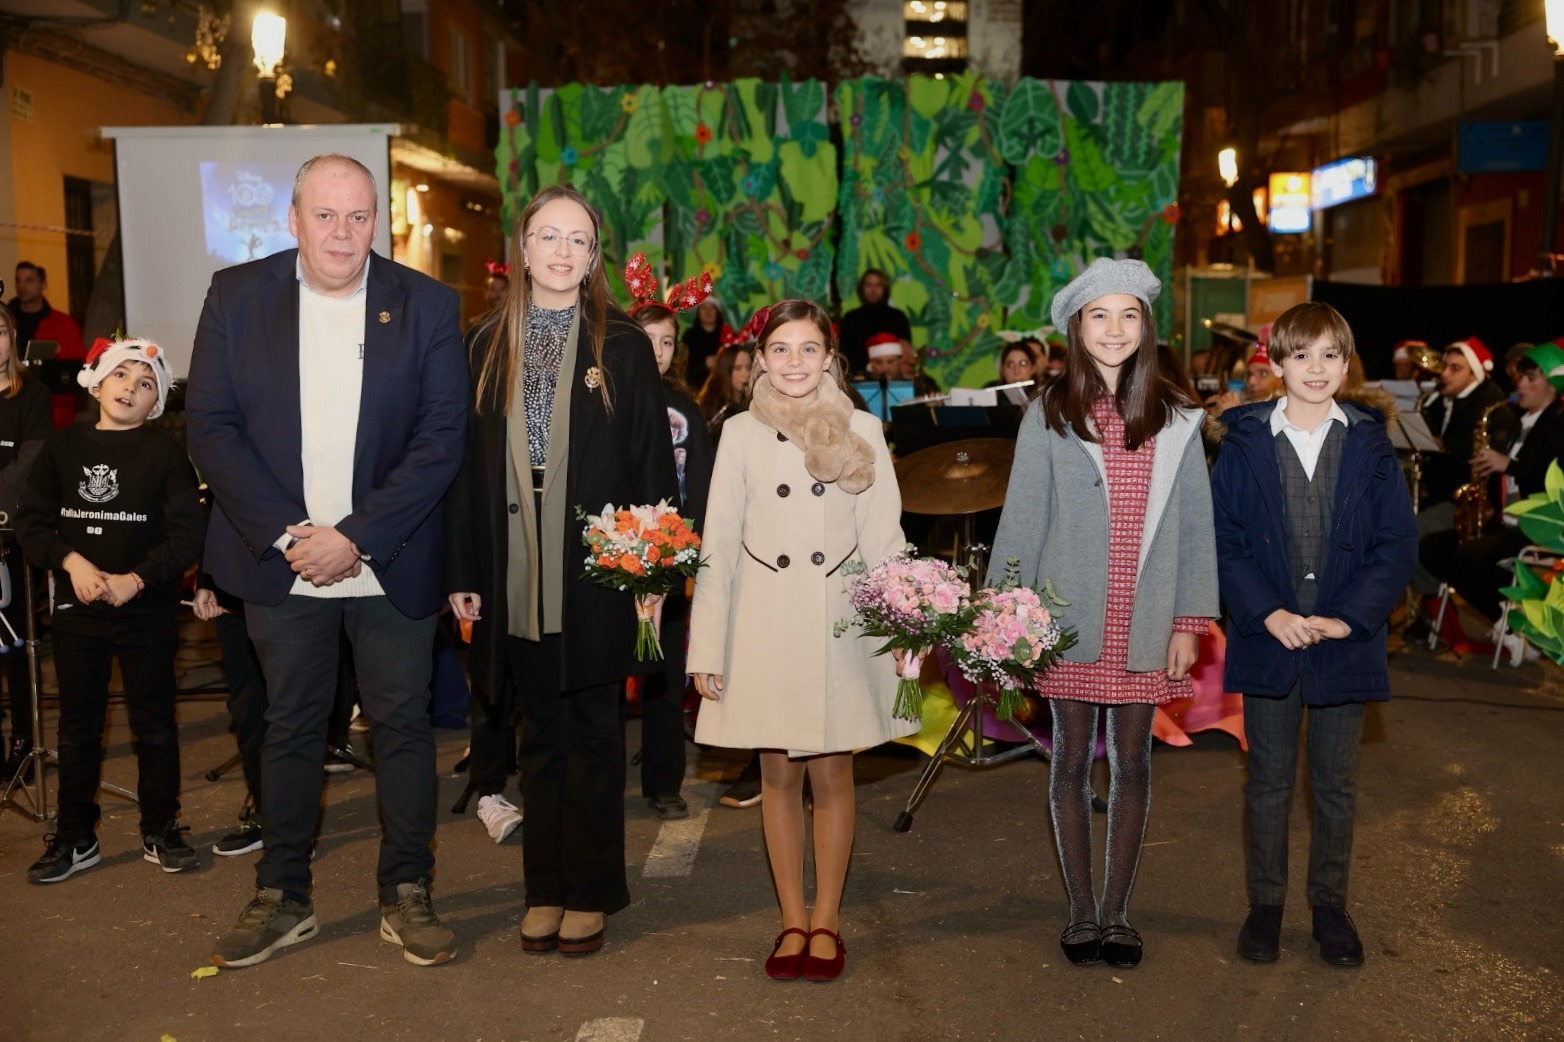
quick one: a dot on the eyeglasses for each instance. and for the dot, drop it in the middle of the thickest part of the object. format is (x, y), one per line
(575, 243)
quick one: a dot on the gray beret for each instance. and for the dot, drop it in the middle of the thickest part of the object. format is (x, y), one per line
(1104, 276)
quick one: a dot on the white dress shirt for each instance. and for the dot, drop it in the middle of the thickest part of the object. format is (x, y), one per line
(331, 382)
(1306, 443)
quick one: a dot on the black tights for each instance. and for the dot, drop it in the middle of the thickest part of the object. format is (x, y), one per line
(1129, 800)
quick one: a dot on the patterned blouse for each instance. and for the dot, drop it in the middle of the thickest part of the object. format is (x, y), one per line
(1108, 681)
(546, 332)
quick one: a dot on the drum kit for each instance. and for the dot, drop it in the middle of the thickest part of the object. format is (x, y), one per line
(963, 478)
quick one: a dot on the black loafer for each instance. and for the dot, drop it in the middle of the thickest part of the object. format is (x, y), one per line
(1122, 947)
(1338, 937)
(1261, 938)
(1082, 943)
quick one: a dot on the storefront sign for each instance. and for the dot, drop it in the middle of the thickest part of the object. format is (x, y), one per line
(1290, 203)
(1344, 181)
(1494, 147)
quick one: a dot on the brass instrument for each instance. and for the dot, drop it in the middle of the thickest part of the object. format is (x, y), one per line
(1428, 360)
(1472, 509)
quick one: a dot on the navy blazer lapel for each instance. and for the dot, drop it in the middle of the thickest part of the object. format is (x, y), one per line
(385, 313)
(281, 343)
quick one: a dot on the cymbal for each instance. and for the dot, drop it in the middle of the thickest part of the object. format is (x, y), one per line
(959, 477)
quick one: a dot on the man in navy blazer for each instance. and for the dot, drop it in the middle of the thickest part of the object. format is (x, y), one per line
(327, 407)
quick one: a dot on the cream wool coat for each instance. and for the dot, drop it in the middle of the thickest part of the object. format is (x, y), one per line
(775, 540)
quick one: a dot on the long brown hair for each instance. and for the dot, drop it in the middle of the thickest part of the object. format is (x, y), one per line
(1143, 397)
(717, 392)
(506, 340)
(11, 373)
(791, 310)
(650, 312)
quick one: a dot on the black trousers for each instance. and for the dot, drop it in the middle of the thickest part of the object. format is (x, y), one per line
(491, 750)
(1271, 726)
(298, 643)
(13, 668)
(1473, 568)
(572, 761)
(87, 638)
(662, 708)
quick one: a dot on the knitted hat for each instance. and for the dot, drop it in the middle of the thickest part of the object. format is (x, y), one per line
(884, 345)
(1549, 357)
(106, 354)
(1104, 276)
(1477, 355)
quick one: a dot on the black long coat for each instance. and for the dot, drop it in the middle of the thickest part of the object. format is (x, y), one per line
(625, 458)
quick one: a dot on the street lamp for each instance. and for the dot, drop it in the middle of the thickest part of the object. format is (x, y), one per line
(1227, 164)
(267, 36)
(1553, 12)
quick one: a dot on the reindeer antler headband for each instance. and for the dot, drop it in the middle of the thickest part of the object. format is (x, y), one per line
(682, 296)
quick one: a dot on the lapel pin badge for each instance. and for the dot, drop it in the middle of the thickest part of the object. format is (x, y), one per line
(385, 317)
(594, 378)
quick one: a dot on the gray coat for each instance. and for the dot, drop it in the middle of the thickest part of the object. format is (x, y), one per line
(1055, 522)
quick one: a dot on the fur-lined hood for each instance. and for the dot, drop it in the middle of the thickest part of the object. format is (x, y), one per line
(1375, 403)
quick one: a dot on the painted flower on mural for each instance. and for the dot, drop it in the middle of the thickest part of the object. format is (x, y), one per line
(712, 268)
(856, 119)
(878, 195)
(748, 184)
(702, 133)
(1059, 269)
(703, 216)
(515, 168)
(773, 270)
(975, 101)
(904, 153)
(513, 118)
(1170, 213)
(983, 320)
(630, 102)
(568, 155)
(1062, 157)
(801, 254)
(710, 84)
(913, 241)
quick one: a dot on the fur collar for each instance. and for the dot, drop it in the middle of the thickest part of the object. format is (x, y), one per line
(822, 426)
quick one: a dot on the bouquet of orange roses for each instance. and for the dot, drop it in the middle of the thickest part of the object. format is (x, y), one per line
(647, 550)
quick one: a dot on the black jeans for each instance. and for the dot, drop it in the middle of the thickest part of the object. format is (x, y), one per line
(662, 708)
(298, 642)
(86, 640)
(572, 763)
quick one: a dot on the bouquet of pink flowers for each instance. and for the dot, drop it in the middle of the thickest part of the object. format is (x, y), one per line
(646, 550)
(1011, 639)
(915, 603)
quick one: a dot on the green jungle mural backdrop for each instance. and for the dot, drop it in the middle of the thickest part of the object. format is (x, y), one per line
(979, 199)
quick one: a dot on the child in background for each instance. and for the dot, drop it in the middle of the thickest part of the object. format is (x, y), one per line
(1307, 614)
(726, 390)
(803, 484)
(1109, 483)
(662, 694)
(112, 508)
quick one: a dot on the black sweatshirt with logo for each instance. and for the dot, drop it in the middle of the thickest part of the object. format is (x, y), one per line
(124, 500)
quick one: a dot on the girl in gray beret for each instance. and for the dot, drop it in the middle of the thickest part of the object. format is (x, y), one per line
(1109, 498)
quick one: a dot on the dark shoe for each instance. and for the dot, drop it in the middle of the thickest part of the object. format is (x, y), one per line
(169, 850)
(267, 923)
(410, 921)
(63, 857)
(338, 764)
(669, 808)
(540, 929)
(787, 967)
(1339, 943)
(1122, 946)
(1261, 938)
(742, 793)
(821, 970)
(242, 840)
(581, 933)
(1082, 943)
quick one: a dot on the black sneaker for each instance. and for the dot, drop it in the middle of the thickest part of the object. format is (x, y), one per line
(63, 857)
(337, 764)
(169, 850)
(242, 840)
(267, 923)
(742, 793)
(669, 808)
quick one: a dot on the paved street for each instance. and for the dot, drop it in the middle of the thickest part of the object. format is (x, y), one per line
(951, 928)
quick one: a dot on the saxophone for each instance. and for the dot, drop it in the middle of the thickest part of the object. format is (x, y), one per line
(1471, 499)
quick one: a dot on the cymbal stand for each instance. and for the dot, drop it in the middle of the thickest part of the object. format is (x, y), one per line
(32, 766)
(965, 743)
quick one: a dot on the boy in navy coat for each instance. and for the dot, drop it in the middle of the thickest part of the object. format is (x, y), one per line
(1316, 540)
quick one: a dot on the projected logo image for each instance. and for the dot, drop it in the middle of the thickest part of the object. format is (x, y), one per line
(245, 210)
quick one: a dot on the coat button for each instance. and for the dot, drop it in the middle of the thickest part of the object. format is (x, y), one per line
(817, 557)
(781, 436)
(783, 490)
(817, 488)
(515, 508)
(783, 562)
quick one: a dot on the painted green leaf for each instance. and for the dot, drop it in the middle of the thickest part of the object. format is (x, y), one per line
(1553, 482)
(1107, 225)
(642, 132)
(1030, 124)
(1163, 110)
(810, 179)
(1082, 101)
(926, 95)
(1087, 166)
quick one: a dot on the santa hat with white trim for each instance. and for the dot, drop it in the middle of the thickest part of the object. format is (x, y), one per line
(106, 354)
(1478, 358)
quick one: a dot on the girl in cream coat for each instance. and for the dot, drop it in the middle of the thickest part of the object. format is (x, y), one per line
(802, 485)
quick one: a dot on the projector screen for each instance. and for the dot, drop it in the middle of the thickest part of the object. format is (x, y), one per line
(196, 199)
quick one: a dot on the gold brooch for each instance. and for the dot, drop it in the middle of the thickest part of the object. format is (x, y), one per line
(594, 378)
(385, 317)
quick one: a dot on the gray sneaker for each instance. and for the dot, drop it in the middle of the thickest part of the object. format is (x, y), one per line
(267, 923)
(411, 922)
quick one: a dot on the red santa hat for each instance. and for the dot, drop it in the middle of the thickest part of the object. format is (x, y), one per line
(884, 345)
(1260, 355)
(106, 354)
(1477, 356)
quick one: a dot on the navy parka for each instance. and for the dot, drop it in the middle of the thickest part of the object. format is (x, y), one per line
(1372, 553)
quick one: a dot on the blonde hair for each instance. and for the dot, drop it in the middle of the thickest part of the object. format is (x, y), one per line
(11, 372)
